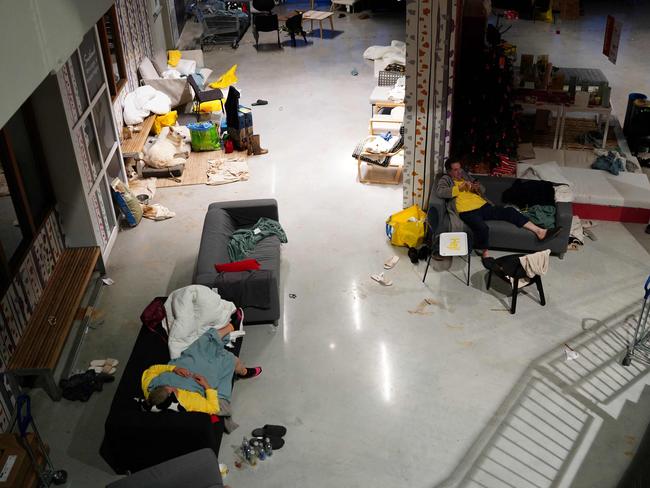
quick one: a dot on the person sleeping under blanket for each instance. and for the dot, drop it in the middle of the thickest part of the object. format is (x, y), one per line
(200, 380)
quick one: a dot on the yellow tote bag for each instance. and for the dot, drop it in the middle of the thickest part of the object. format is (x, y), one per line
(407, 228)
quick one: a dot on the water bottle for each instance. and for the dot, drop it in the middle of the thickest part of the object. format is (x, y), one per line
(252, 453)
(268, 447)
(259, 448)
(246, 449)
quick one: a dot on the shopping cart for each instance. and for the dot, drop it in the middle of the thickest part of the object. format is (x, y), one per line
(639, 347)
(23, 418)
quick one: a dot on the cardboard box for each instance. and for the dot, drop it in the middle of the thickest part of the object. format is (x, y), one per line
(16, 470)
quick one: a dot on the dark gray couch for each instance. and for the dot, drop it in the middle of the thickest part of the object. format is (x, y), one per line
(504, 235)
(221, 220)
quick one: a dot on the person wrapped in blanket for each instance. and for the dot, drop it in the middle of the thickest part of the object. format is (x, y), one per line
(200, 380)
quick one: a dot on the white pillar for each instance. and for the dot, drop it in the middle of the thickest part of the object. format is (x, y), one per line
(430, 41)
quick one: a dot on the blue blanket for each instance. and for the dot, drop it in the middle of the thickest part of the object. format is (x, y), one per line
(206, 356)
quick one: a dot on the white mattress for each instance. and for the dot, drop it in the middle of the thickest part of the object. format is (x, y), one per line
(596, 187)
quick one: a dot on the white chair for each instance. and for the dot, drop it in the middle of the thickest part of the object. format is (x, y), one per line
(452, 244)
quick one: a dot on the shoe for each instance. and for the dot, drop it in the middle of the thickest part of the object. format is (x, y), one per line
(270, 431)
(424, 252)
(259, 102)
(413, 255)
(255, 145)
(250, 373)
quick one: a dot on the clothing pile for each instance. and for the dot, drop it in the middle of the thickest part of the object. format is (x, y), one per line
(614, 162)
(80, 387)
(243, 241)
(579, 230)
(393, 54)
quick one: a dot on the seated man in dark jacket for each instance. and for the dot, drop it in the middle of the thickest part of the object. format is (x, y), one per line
(466, 201)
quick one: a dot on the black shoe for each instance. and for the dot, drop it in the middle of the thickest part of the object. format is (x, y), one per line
(424, 252)
(259, 102)
(413, 255)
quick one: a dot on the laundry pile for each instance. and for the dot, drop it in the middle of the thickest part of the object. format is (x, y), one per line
(580, 229)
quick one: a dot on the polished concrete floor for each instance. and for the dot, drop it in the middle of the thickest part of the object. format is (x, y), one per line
(372, 394)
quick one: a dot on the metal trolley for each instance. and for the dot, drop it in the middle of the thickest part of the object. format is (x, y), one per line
(639, 347)
(23, 419)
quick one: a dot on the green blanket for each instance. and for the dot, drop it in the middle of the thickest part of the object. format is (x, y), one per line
(244, 241)
(542, 215)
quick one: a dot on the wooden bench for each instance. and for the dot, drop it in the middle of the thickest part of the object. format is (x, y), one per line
(132, 146)
(41, 346)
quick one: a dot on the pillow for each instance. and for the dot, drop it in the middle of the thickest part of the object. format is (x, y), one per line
(173, 57)
(212, 106)
(147, 70)
(243, 265)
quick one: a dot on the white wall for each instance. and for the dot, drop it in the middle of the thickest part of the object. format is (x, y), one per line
(37, 36)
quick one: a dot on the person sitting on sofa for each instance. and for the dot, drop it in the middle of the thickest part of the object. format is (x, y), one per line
(466, 202)
(200, 380)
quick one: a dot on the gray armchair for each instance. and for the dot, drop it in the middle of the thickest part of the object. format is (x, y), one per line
(504, 235)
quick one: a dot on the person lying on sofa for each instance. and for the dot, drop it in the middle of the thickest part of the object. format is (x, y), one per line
(200, 380)
(466, 203)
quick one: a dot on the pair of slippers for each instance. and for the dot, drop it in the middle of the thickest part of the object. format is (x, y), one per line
(388, 264)
(275, 434)
(104, 366)
(259, 102)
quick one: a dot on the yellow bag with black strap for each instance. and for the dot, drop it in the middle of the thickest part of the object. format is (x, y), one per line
(407, 227)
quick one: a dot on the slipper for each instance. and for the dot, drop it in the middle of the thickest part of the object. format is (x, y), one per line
(276, 442)
(259, 102)
(551, 233)
(103, 362)
(390, 262)
(589, 233)
(250, 373)
(270, 431)
(103, 369)
(379, 278)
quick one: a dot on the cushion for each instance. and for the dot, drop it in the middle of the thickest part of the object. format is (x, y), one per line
(397, 143)
(173, 57)
(217, 229)
(243, 265)
(160, 63)
(147, 70)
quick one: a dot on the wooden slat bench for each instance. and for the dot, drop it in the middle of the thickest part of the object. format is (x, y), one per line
(40, 347)
(131, 147)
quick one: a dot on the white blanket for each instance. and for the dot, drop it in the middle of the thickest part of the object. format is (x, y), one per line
(395, 53)
(142, 101)
(549, 172)
(191, 311)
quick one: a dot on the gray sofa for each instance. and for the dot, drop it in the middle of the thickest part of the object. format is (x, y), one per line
(504, 235)
(259, 288)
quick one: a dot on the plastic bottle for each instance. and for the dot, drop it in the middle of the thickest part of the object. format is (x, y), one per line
(259, 448)
(268, 448)
(246, 449)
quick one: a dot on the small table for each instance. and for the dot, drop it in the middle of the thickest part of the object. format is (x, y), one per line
(319, 16)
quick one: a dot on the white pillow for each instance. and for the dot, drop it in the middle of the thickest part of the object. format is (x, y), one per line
(147, 70)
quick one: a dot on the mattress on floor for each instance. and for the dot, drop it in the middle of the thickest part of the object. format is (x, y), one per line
(596, 187)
